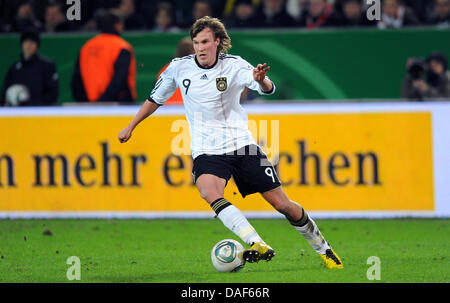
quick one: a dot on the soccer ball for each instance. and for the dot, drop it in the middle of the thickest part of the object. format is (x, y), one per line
(226, 256)
(17, 94)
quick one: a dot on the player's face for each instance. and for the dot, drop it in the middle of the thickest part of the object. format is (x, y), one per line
(205, 47)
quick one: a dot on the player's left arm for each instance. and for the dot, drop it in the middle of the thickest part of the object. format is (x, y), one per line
(259, 75)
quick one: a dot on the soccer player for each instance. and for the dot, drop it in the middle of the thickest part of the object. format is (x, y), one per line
(211, 83)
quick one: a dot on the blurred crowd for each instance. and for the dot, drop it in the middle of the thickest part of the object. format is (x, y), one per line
(174, 15)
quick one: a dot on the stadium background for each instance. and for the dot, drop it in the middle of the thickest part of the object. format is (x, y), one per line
(391, 163)
(325, 65)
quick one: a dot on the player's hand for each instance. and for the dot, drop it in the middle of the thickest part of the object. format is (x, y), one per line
(259, 72)
(125, 134)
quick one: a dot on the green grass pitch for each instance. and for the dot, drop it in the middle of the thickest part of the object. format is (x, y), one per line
(410, 250)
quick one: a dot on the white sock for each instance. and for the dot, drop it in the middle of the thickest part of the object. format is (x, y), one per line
(312, 234)
(234, 219)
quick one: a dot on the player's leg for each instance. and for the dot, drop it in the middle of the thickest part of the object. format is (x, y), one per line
(246, 170)
(306, 226)
(212, 189)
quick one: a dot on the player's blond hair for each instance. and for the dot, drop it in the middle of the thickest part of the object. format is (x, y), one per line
(217, 28)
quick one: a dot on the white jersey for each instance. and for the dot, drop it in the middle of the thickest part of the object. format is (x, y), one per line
(218, 123)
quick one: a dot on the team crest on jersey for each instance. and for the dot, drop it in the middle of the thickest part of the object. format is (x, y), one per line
(221, 84)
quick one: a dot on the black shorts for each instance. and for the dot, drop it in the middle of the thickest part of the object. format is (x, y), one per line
(251, 170)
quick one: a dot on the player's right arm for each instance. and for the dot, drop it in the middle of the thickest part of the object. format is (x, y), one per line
(146, 110)
(164, 88)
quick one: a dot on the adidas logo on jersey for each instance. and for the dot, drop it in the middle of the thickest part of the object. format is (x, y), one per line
(204, 77)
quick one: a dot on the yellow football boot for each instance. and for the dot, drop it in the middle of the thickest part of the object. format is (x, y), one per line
(331, 259)
(258, 251)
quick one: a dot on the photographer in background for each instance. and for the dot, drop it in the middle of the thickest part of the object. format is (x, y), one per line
(426, 79)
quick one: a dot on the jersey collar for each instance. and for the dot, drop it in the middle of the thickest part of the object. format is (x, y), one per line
(199, 65)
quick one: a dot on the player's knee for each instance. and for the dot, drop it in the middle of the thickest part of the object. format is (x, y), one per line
(281, 205)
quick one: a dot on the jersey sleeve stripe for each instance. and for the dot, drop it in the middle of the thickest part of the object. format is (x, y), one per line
(158, 83)
(271, 91)
(153, 101)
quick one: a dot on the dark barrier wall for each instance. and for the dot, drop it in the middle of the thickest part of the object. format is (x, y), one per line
(326, 64)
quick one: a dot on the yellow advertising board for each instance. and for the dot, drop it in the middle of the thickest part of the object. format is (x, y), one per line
(327, 162)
